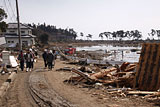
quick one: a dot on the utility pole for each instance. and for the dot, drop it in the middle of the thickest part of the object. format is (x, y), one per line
(19, 29)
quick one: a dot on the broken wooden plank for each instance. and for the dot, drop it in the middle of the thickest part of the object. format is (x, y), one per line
(106, 82)
(124, 66)
(62, 54)
(82, 74)
(132, 68)
(102, 74)
(141, 92)
(125, 73)
(64, 69)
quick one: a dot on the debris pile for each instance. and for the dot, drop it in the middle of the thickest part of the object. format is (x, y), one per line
(142, 79)
(116, 76)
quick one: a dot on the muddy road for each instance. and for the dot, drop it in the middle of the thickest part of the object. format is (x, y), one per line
(43, 88)
(31, 89)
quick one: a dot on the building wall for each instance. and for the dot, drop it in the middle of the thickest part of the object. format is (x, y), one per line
(14, 40)
(25, 41)
(15, 31)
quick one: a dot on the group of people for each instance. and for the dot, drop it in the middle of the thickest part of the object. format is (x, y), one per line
(27, 58)
(49, 57)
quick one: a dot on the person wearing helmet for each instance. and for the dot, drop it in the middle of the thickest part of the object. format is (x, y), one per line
(28, 58)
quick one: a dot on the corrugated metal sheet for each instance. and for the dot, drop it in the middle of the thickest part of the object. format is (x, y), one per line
(148, 71)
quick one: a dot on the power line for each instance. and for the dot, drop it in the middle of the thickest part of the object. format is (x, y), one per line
(13, 12)
(10, 16)
(5, 5)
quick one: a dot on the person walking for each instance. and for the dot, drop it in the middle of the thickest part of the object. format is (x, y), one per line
(44, 55)
(21, 59)
(50, 58)
(54, 57)
(32, 59)
(36, 56)
(28, 58)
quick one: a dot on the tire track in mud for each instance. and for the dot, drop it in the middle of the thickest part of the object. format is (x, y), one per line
(42, 93)
(17, 95)
(32, 90)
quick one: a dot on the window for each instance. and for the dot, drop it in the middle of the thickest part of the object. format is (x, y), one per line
(22, 31)
(12, 41)
(29, 32)
(12, 31)
(24, 43)
(9, 41)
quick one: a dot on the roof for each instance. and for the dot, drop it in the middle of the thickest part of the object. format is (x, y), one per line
(15, 26)
(22, 36)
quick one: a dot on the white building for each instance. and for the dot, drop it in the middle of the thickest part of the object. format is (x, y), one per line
(12, 38)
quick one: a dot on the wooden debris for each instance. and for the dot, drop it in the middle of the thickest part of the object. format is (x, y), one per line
(62, 54)
(110, 76)
(76, 79)
(102, 74)
(82, 74)
(120, 89)
(64, 69)
(85, 69)
(131, 68)
(142, 93)
(127, 67)
(124, 66)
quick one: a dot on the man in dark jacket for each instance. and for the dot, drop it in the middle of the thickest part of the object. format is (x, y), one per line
(50, 58)
(44, 55)
(29, 59)
(21, 59)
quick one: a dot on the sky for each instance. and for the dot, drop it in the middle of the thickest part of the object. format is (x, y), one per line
(89, 16)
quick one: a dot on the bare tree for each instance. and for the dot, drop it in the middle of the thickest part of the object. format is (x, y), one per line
(107, 34)
(153, 33)
(158, 34)
(81, 34)
(101, 35)
(89, 36)
(135, 34)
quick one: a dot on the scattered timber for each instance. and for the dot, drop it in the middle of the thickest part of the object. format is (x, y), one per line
(142, 93)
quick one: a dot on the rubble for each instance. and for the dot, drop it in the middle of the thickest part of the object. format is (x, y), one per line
(125, 79)
(111, 76)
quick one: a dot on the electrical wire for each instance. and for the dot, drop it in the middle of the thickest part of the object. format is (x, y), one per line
(7, 10)
(13, 12)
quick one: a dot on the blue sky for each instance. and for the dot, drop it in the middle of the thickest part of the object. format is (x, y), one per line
(91, 16)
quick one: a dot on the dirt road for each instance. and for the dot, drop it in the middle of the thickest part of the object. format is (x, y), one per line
(46, 88)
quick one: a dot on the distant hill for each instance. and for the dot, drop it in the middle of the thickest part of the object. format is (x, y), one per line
(54, 34)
